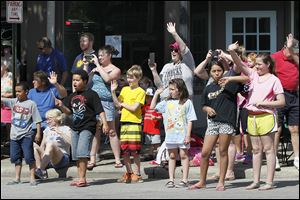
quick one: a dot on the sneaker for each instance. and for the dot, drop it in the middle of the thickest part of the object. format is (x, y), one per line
(296, 162)
(239, 157)
(126, 178)
(41, 174)
(277, 165)
(248, 159)
(136, 178)
(182, 184)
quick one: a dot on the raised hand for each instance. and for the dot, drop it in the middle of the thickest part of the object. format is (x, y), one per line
(152, 66)
(233, 46)
(289, 41)
(159, 90)
(171, 27)
(113, 85)
(53, 78)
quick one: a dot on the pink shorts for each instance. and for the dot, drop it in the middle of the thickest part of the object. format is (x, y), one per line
(6, 115)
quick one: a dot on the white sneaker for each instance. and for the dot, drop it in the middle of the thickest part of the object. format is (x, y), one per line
(296, 162)
(277, 166)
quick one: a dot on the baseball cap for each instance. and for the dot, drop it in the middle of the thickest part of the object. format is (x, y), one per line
(175, 45)
(150, 91)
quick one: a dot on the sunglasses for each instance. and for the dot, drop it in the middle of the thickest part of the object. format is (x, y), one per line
(175, 50)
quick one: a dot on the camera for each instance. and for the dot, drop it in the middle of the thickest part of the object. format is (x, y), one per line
(215, 55)
(88, 58)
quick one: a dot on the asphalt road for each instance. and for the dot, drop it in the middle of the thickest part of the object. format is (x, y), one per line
(151, 189)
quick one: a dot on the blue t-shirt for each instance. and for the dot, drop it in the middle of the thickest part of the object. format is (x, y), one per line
(45, 100)
(176, 117)
(78, 63)
(55, 61)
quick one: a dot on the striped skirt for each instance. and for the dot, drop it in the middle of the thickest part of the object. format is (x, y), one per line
(130, 137)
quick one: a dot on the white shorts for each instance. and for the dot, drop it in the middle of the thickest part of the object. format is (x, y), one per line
(177, 146)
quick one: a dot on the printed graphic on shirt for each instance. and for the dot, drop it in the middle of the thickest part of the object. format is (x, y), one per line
(171, 74)
(213, 95)
(78, 107)
(176, 117)
(20, 116)
(79, 63)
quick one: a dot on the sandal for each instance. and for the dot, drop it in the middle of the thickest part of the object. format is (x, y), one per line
(90, 166)
(118, 165)
(182, 184)
(196, 187)
(14, 182)
(267, 186)
(170, 184)
(253, 186)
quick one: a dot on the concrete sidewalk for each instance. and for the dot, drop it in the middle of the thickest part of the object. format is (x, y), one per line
(105, 169)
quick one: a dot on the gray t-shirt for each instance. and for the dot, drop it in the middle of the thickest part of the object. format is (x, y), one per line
(24, 114)
(183, 70)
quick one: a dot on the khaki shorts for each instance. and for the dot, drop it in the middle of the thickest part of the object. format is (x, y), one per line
(261, 124)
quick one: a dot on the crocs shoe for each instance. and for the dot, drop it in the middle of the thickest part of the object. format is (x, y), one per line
(126, 178)
(136, 178)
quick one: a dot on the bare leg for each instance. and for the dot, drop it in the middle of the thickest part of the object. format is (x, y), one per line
(82, 166)
(52, 153)
(114, 141)
(224, 141)
(294, 130)
(172, 163)
(18, 169)
(137, 162)
(185, 164)
(32, 168)
(268, 148)
(231, 159)
(257, 157)
(209, 143)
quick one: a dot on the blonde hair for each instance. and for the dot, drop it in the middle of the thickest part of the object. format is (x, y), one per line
(56, 114)
(252, 56)
(135, 71)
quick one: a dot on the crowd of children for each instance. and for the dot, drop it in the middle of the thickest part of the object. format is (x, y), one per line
(237, 86)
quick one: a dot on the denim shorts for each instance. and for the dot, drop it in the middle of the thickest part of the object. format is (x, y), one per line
(64, 162)
(109, 109)
(81, 144)
(22, 148)
(290, 111)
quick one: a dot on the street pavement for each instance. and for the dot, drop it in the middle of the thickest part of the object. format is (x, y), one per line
(103, 183)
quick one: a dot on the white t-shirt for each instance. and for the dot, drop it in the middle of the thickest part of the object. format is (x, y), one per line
(61, 140)
(183, 70)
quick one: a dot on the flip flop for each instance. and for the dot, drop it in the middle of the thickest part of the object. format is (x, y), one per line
(74, 183)
(82, 184)
(118, 165)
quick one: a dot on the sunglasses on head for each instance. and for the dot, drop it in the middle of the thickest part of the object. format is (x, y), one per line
(175, 50)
